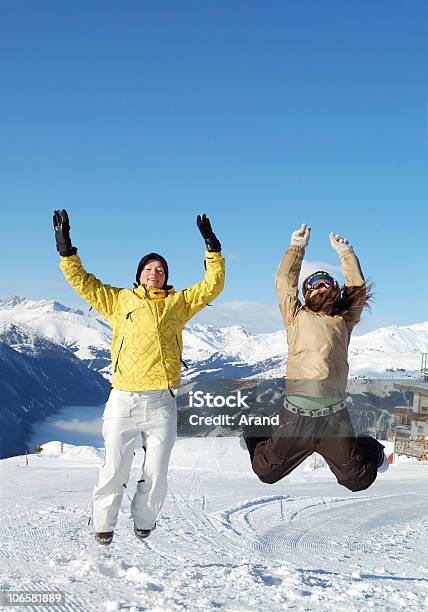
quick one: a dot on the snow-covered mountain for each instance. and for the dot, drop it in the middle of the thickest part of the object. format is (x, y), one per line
(53, 356)
(37, 378)
(87, 336)
(389, 349)
(377, 354)
(212, 352)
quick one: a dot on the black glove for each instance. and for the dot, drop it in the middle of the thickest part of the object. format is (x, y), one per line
(211, 240)
(62, 234)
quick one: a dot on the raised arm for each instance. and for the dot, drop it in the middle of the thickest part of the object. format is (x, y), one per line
(287, 278)
(204, 292)
(102, 297)
(354, 279)
(349, 261)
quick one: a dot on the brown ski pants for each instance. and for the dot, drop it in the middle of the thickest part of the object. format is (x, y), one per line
(353, 460)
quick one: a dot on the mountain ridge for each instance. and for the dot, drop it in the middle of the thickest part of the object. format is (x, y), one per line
(374, 354)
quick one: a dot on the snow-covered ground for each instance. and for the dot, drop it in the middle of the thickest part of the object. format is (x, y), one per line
(224, 539)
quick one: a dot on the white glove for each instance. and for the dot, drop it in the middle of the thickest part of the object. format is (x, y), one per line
(301, 236)
(339, 244)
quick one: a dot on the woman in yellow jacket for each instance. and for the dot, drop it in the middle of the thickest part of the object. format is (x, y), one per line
(147, 323)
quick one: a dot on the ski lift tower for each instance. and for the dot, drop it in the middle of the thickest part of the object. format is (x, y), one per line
(424, 366)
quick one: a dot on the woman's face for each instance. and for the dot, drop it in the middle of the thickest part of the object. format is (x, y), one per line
(323, 299)
(153, 274)
(320, 290)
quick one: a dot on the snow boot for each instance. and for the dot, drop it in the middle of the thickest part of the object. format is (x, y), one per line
(383, 463)
(104, 537)
(382, 459)
(243, 442)
(143, 533)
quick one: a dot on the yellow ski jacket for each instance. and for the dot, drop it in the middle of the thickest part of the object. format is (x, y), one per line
(147, 322)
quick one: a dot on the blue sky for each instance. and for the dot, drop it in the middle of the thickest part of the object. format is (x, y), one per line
(136, 116)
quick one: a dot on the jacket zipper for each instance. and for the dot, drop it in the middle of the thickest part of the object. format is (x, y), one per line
(179, 348)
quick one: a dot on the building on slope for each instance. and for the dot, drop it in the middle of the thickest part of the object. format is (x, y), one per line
(424, 366)
(410, 430)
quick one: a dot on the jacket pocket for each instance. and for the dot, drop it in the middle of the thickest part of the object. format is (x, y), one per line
(128, 317)
(180, 352)
(116, 363)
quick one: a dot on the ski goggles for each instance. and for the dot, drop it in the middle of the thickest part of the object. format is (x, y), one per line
(319, 279)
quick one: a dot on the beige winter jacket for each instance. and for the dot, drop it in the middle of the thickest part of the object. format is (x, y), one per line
(317, 362)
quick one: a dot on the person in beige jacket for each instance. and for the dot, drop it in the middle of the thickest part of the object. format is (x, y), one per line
(315, 417)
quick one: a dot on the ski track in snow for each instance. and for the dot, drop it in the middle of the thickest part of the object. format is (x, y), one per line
(224, 540)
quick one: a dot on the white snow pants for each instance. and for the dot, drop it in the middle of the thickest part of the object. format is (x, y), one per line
(148, 417)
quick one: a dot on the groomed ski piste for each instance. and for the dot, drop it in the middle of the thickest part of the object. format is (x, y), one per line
(224, 539)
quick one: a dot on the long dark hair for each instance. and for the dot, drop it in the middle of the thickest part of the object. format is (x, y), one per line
(345, 302)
